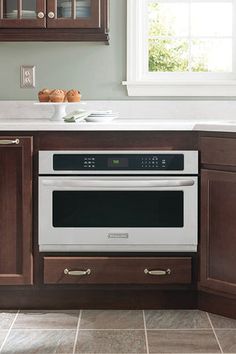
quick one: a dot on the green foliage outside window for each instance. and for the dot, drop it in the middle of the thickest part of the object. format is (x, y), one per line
(169, 55)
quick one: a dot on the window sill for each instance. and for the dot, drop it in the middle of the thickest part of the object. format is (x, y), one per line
(225, 88)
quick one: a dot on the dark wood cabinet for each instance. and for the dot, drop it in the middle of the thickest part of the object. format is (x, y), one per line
(54, 20)
(15, 210)
(218, 151)
(218, 231)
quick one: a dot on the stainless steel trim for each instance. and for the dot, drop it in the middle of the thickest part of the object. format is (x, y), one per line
(164, 183)
(157, 272)
(10, 142)
(77, 272)
(118, 235)
(96, 239)
(190, 162)
(95, 247)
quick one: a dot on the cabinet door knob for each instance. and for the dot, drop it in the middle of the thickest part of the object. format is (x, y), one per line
(41, 15)
(51, 14)
(157, 272)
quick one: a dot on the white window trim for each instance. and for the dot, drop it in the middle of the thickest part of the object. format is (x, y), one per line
(139, 84)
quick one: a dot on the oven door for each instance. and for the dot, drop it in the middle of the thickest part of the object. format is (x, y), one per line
(118, 214)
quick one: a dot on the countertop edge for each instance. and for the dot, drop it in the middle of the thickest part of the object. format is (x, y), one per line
(36, 126)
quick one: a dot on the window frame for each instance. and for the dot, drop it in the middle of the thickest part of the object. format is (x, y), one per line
(170, 84)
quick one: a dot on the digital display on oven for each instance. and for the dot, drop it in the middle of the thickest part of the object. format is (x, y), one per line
(118, 162)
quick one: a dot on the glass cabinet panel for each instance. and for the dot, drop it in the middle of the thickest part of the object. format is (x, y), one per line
(73, 9)
(29, 9)
(64, 8)
(11, 9)
(83, 8)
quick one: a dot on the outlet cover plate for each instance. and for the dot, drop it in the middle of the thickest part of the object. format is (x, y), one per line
(27, 76)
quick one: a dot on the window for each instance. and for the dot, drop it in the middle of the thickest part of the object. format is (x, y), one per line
(181, 48)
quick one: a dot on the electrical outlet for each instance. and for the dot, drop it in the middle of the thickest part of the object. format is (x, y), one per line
(27, 77)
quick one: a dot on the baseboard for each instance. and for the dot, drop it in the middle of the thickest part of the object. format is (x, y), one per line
(97, 299)
(218, 304)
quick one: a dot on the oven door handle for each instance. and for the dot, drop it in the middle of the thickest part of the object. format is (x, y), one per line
(164, 183)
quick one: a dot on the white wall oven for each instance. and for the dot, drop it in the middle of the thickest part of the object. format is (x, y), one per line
(118, 201)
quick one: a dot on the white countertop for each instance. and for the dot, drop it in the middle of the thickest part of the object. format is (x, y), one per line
(218, 116)
(118, 125)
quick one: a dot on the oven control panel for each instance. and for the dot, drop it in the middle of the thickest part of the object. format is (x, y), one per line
(116, 162)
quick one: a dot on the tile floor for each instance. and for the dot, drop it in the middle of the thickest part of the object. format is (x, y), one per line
(106, 331)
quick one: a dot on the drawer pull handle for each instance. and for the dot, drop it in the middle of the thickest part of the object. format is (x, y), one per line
(9, 142)
(157, 272)
(77, 272)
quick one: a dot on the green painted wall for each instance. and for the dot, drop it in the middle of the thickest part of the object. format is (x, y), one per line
(96, 69)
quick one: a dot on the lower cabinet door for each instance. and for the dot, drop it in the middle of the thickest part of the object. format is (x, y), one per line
(121, 270)
(218, 231)
(15, 210)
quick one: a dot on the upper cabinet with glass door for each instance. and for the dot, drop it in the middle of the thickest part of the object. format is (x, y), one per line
(22, 14)
(54, 20)
(74, 13)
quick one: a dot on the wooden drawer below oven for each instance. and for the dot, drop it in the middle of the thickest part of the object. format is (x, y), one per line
(122, 270)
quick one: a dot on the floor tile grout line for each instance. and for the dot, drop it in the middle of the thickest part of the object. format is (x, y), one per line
(149, 329)
(77, 331)
(45, 329)
(213, 329)
(112, 329)
(121, 329)
(225, 329)
(134, 329)
(145, 331)
(9, 330)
